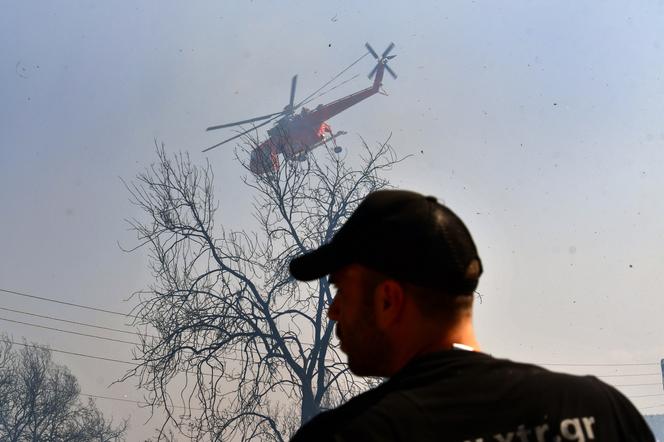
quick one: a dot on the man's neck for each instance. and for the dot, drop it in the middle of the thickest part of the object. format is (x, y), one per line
(430, 340)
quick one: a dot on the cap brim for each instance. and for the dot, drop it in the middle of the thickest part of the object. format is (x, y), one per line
(315, 264)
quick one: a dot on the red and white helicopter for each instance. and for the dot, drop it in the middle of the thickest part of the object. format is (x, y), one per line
(295, 134)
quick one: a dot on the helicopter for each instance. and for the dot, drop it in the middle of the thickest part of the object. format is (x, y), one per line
(294, 135)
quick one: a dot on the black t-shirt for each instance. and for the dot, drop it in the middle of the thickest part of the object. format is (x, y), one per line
(463, 396)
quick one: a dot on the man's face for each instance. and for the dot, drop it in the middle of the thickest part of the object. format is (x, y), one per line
(367, 347)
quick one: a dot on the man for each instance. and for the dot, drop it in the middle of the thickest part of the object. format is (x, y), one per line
(405, 269)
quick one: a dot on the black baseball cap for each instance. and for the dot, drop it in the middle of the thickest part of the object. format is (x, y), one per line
(405, 235)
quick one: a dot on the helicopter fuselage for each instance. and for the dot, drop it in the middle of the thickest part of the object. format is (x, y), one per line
(300, 133)
(295, 134)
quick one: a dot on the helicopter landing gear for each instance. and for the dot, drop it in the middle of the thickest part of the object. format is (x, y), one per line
(337, 149)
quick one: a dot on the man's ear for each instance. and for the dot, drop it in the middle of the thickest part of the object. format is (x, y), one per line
(388, 303)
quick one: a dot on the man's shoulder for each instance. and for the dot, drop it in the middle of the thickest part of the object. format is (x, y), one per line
(323, 426)
(534, 383)
(459, 395)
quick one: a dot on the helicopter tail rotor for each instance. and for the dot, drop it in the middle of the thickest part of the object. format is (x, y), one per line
(375, 55)
(382, 60)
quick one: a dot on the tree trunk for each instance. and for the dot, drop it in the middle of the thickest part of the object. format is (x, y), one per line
(309, 407)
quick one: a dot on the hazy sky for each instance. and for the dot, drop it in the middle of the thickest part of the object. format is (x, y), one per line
(540, 123)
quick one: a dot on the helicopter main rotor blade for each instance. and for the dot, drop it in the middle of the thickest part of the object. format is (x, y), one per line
(239, 135)
(388, 69)
(250, 120)
(387, 51)
(226, 141)
(371, 50)
(292, 93)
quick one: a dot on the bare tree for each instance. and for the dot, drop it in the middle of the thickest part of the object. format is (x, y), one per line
(40, 401)
(248, 351)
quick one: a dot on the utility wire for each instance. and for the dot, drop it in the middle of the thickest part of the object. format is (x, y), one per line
(136, 365)
(133, 343)
(201, 409)
(126, 315)
(73, 322)
(91, 336)
(646, 395)
(88, 335)
(69, 331)
(627, 375)
(555, 364)
(239, 360)
(80, 334)
(9, 341)
(636, 385)
(135, 402)
(601, 365)
(79, 323)
(234, 359)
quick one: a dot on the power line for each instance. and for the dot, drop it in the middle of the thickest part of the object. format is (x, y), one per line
(114, 399)
(72, 322)
(239, 360)
(93, 357)
(75, 322)
(628, 375)
(601, 365)
(136, 365)
(88, 335)
(127, 315)
(69, 331)
(636, 385)
(101, 358)
(77, 333)
(201, 409)
(136, 402)
(646, 395)
(69, 352)
(558, 364)
(85, 355)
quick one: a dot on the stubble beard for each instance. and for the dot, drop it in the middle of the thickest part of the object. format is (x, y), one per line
(368, 349)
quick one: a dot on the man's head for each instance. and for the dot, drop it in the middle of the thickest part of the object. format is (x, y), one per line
(405, 268)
